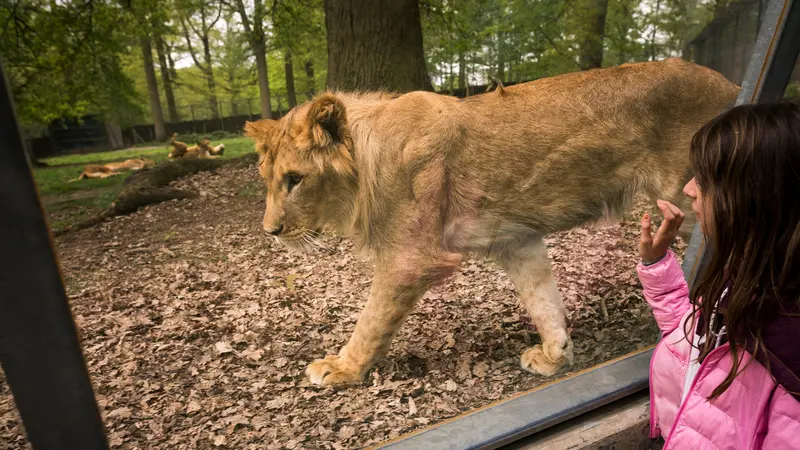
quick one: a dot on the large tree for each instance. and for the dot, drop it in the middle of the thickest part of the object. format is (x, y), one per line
(144, 15)
(253, 23)
(166, 78)
(375, 44)
(201, 17)
(152, 87)
(593, 33)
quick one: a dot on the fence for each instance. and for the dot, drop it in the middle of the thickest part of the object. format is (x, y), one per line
(228, 108)
(200, 118)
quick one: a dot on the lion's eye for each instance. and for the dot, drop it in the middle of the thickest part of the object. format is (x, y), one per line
(293, 180)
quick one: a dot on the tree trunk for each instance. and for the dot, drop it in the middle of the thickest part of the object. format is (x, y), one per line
(591, 51)
(210, 81)
(152, 86)
(289, 70)
(263, 79)
(653, 34)
(311, 87)
(173, 74)
(450, 77)
(172, 109)
(462, 71)
(501, 64)
(375, 44)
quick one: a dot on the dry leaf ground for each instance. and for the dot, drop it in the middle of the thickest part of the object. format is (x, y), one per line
(197, 328)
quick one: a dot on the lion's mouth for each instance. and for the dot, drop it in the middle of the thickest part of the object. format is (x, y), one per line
(302, 240)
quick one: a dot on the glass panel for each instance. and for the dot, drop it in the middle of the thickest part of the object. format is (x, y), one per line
(198, 328)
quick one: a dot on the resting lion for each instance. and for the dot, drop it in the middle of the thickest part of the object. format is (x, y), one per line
(203, 149)
(422, 179)
(111, 169)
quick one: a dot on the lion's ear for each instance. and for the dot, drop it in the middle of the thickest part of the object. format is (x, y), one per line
(327, 121)
(260, 130)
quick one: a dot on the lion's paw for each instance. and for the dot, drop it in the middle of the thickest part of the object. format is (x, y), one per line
(547, 361)
(333, 370)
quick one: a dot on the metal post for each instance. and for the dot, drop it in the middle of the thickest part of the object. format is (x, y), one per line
(39, 349)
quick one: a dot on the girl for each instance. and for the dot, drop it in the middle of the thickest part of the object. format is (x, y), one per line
(726, 374)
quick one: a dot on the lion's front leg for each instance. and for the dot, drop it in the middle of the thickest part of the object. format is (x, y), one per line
(529, 269)
(377, 325)
(395, 290)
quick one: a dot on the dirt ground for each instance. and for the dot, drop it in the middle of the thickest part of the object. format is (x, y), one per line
(197, 328)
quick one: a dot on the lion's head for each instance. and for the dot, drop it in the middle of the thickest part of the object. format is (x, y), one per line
(306, 160)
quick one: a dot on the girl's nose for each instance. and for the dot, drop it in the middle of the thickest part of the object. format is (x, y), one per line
(690, 190)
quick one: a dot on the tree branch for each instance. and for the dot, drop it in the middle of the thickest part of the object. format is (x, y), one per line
(189, 44)
(243, 15)
(214, 22)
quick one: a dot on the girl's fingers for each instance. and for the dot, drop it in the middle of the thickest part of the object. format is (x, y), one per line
(647, 237)
(665, 210)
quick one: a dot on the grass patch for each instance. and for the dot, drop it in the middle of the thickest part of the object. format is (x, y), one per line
(68, 203)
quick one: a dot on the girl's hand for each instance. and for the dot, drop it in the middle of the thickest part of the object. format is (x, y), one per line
(654, 248)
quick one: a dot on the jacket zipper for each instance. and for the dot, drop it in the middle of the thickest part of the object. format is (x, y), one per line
(691, 389)
(654, 425)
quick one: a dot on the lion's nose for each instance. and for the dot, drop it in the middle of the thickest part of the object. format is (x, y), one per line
(275, 231)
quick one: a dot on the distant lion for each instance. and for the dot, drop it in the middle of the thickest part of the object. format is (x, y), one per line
(111, 169)
(203, 149)
(422, 179)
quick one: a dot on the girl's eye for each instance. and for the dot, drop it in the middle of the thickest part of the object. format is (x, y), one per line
(293, 180)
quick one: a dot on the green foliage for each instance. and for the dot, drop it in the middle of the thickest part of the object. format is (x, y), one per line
(519, 40)
(69, 58)
(64, 59)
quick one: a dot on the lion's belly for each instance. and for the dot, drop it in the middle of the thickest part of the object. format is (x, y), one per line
(485, 233)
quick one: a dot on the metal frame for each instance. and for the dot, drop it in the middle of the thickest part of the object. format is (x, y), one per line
(768, 72)
(524, 414)
(39, 349)
(41, 356)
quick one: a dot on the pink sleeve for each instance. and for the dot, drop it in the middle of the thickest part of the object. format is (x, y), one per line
(783, 422)
(666, 291)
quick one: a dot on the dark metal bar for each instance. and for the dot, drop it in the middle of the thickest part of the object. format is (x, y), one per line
(39, 349)
(510, 420)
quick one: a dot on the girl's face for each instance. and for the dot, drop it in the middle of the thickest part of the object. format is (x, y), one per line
(699, 205)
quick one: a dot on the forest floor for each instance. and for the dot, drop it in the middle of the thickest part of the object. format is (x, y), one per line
(197, 327)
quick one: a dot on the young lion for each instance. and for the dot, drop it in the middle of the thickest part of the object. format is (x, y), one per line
(116, 168)
(421, 179)
(203, 149)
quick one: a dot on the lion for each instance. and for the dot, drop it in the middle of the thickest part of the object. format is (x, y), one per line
(203, 149)
(111, 169)
(420, 180)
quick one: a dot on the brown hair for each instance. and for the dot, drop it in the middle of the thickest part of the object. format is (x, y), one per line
(747, 166)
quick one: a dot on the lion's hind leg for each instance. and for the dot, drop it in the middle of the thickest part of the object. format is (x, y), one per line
(528, 267)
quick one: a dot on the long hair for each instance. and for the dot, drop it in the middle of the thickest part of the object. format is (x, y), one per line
(747, 167)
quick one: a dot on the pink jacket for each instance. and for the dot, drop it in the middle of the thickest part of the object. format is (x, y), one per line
(756, 412)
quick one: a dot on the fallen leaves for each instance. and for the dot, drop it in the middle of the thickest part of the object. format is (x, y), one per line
(223, 348)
